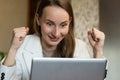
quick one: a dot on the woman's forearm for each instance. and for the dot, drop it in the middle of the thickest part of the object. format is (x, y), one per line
(10, 58)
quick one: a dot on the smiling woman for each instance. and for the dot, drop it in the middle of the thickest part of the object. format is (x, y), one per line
(53, 36)
(86, 13)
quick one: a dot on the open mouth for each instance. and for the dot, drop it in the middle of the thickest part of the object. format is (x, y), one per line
(54, 39)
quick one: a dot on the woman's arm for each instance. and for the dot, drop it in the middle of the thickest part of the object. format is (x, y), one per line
(19, 36)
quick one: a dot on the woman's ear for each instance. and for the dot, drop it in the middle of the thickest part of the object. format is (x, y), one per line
(37, 18)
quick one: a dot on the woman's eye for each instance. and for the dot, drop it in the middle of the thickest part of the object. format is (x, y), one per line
(49, 24)
(63, 25)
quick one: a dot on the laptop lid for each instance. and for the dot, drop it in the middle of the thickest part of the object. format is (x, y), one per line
(67, 69)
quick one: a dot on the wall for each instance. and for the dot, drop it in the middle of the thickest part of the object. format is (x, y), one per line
(86, 14)
(13, 13)
(110, 24)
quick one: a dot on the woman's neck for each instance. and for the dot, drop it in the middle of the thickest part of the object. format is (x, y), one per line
(48, 50)
(48, 53)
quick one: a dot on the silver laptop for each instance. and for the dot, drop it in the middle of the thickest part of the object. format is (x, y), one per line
(68, 69)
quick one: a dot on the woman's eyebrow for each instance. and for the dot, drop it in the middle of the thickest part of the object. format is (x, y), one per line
(49, 20)
(54, 22)
(64, 22)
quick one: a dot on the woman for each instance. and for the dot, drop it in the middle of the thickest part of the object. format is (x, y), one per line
(53, 37)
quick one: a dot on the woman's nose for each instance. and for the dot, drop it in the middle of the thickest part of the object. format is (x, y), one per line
(56, 32)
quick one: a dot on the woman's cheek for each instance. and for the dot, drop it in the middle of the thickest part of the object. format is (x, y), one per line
(64, 33)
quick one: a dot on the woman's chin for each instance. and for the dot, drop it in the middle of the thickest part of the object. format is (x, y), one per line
(53, 43)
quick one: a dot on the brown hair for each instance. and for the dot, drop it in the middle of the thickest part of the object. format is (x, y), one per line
(66, 47)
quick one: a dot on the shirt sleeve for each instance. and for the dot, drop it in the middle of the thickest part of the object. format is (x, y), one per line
(6, 72)
(9, 73)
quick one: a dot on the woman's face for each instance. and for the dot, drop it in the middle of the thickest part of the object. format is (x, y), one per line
(54, 24)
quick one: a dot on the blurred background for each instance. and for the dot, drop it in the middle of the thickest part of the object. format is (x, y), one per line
(101, 14)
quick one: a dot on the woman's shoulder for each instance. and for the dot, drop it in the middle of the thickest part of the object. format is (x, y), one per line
(31, 44)
(32, 36)
(79, 42)
(81, 50)
(31, 41)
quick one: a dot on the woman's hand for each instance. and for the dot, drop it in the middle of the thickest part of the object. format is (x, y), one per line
(96, 39)
(19, 36)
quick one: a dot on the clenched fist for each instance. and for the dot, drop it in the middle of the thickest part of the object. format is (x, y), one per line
(19, 36)
(96, 39)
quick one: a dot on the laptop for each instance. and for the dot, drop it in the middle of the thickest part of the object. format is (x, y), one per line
(68, 69)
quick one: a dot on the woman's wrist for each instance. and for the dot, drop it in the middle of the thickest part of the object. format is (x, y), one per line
(98, 53)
